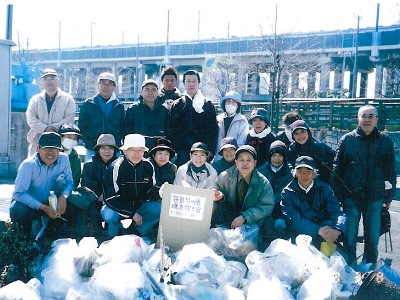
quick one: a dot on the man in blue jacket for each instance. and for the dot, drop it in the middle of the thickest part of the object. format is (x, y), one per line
(37, 175)
(310, 206)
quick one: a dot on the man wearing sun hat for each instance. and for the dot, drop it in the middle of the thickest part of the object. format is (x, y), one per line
(49, 109)
(102, 113)
(126, 186)
(227, 149)
(36, 176)
(310, 205)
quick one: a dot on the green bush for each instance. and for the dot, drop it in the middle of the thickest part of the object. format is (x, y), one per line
(14, 249)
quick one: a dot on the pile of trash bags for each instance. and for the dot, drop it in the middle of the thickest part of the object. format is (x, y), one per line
(128, 268)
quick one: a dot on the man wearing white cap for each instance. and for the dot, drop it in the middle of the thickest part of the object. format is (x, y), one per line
(126, 186)
(310, 205)
(102, 113)
(49, 109)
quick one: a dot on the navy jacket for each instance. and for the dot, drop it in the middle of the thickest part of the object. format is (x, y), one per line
(305, 212)
(364, 163)
(92, 122)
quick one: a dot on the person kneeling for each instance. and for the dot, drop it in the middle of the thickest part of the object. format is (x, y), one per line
(310, 205)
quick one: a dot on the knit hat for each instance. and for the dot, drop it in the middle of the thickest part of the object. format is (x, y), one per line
(228, 142)
(50, 140)
(134, 140)
(299, 124)
(162, 144)
(305, 162)
(231, 95)
(246, 148)
(278, 147)
(259, 113)
(105, 139)
(69, 129)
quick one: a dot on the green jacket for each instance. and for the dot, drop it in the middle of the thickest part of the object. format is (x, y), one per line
(259, 200)
(75, 163)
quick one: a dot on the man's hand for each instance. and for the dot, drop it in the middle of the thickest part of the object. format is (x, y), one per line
(237, 222)
(329, 234)
(62, 205)
(137, 220)
(49, 211)
(217, 195)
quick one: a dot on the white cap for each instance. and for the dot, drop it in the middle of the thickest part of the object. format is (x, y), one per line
(134, 140)
(107, 76)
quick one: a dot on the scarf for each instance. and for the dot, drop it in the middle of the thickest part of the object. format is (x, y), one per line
(262, 134)
(198, 101)
(193, 170)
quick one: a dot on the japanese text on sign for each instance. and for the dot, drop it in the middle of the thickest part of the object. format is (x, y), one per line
(187, 206)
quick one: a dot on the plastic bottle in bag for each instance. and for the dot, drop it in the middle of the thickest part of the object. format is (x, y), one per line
(53, 200)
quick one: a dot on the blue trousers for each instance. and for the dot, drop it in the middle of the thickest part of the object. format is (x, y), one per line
(149, 210)
(371, 214)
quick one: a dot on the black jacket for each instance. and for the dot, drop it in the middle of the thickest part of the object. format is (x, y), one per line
(130, 182)
(185, 126)
(364, 163)
(93, 173)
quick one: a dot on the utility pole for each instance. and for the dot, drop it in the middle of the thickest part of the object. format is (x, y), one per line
(355, 69)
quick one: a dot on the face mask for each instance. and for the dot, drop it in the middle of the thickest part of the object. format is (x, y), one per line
(230, 109)
(69, 143)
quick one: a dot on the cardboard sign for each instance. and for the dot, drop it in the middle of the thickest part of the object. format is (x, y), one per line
(185, 216)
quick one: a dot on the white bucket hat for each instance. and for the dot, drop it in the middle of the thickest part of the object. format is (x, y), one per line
(134, 140)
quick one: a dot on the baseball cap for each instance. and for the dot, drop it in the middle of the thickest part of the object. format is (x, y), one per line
(199, 146)
(48, 71)
(50, 140)
(305, 162)
(107, 76)
(299, 124)
(149, 81)
(246, 148)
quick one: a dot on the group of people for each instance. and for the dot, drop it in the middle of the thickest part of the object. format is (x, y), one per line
(291, 178)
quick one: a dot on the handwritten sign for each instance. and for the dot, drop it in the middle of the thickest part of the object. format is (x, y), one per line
(185, 206)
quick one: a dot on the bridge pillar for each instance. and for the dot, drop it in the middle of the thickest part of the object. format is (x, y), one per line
(311, 80)
(324, 80)
(363, 85)
(295, 84)
(378, 80)
(241, 81)
(337, 79)
(284, 84)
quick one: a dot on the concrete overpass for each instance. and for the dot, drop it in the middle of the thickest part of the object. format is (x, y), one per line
(376, 50)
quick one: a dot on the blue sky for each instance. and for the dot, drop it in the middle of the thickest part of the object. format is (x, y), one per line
(36, 24)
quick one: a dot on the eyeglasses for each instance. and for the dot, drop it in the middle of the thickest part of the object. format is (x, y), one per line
(49, 78)
(102, 84)
(370, 117)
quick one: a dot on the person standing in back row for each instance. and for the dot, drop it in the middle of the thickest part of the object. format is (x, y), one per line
(364, 178)
(49, 109)
(147, 117)
(192, 118)
(103, 113)
(169, 91)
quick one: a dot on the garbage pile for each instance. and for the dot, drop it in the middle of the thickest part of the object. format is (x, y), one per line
(128, 268)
